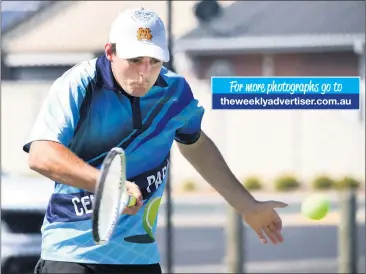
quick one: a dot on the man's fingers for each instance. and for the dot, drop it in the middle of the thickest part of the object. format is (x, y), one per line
(276, 231)
(277, 204)
(278, 224)
(270, 234)
(138, 203)
(138, 195)
(135, 191)
(261, 236)
(132, 210)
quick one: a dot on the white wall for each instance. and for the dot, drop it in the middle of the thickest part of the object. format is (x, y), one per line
(264, 143)
(20, 103)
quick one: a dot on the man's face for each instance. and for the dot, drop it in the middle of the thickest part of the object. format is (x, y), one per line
(136, 76)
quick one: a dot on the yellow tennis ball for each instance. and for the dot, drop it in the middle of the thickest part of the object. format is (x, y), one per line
(315, 206)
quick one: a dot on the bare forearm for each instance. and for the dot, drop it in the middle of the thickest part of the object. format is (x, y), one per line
(208, 161)
(59, 164)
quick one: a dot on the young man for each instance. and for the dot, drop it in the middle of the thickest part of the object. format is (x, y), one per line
(124, 98)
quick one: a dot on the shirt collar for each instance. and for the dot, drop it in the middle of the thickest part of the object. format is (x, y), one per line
(106, 79)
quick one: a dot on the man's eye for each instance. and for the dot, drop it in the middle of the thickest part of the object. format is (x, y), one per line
(135, 60)
(155, 61)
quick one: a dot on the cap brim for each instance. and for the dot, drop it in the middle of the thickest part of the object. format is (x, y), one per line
(134, 50)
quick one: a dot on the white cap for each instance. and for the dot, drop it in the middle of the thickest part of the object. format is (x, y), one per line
(139, 32)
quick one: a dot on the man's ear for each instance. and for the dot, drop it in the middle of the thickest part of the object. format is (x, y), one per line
(108, 51)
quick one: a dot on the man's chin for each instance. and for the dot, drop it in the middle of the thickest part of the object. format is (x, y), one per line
(138, 92)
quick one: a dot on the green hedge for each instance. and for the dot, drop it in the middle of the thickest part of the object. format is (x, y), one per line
(189, 186)
(348, 182)
(286, 183)
(323, 182)
(252, 183)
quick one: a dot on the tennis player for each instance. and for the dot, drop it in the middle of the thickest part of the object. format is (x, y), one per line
(125, 98)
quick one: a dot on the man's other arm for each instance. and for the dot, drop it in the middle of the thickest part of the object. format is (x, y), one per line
(205, 157)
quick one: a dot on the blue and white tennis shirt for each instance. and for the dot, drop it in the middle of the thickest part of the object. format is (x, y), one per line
(88, 112)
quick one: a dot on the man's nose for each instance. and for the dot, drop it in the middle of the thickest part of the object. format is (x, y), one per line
(145, 68)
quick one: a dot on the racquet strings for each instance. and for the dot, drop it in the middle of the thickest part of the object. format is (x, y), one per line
(110, 199)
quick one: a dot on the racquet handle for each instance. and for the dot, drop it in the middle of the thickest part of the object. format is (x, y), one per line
(131, 201)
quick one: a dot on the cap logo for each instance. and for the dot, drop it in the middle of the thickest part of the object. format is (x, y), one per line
(144, 34)
(144, 15)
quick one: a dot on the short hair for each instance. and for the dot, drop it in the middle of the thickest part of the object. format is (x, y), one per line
(113, 48)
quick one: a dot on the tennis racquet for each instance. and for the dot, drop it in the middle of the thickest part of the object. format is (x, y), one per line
(110, 197)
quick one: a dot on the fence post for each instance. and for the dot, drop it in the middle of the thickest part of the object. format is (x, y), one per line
(234, 242)
(347, 233)
(169, 203)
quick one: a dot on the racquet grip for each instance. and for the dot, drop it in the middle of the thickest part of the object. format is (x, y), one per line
(131, 201)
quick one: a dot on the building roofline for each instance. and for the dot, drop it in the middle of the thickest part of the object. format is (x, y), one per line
(43, 6)
(34, 19)
(272, 43)
(46, 59)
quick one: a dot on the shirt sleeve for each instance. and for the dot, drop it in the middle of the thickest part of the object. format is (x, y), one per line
(192, 116)
(59, 114)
